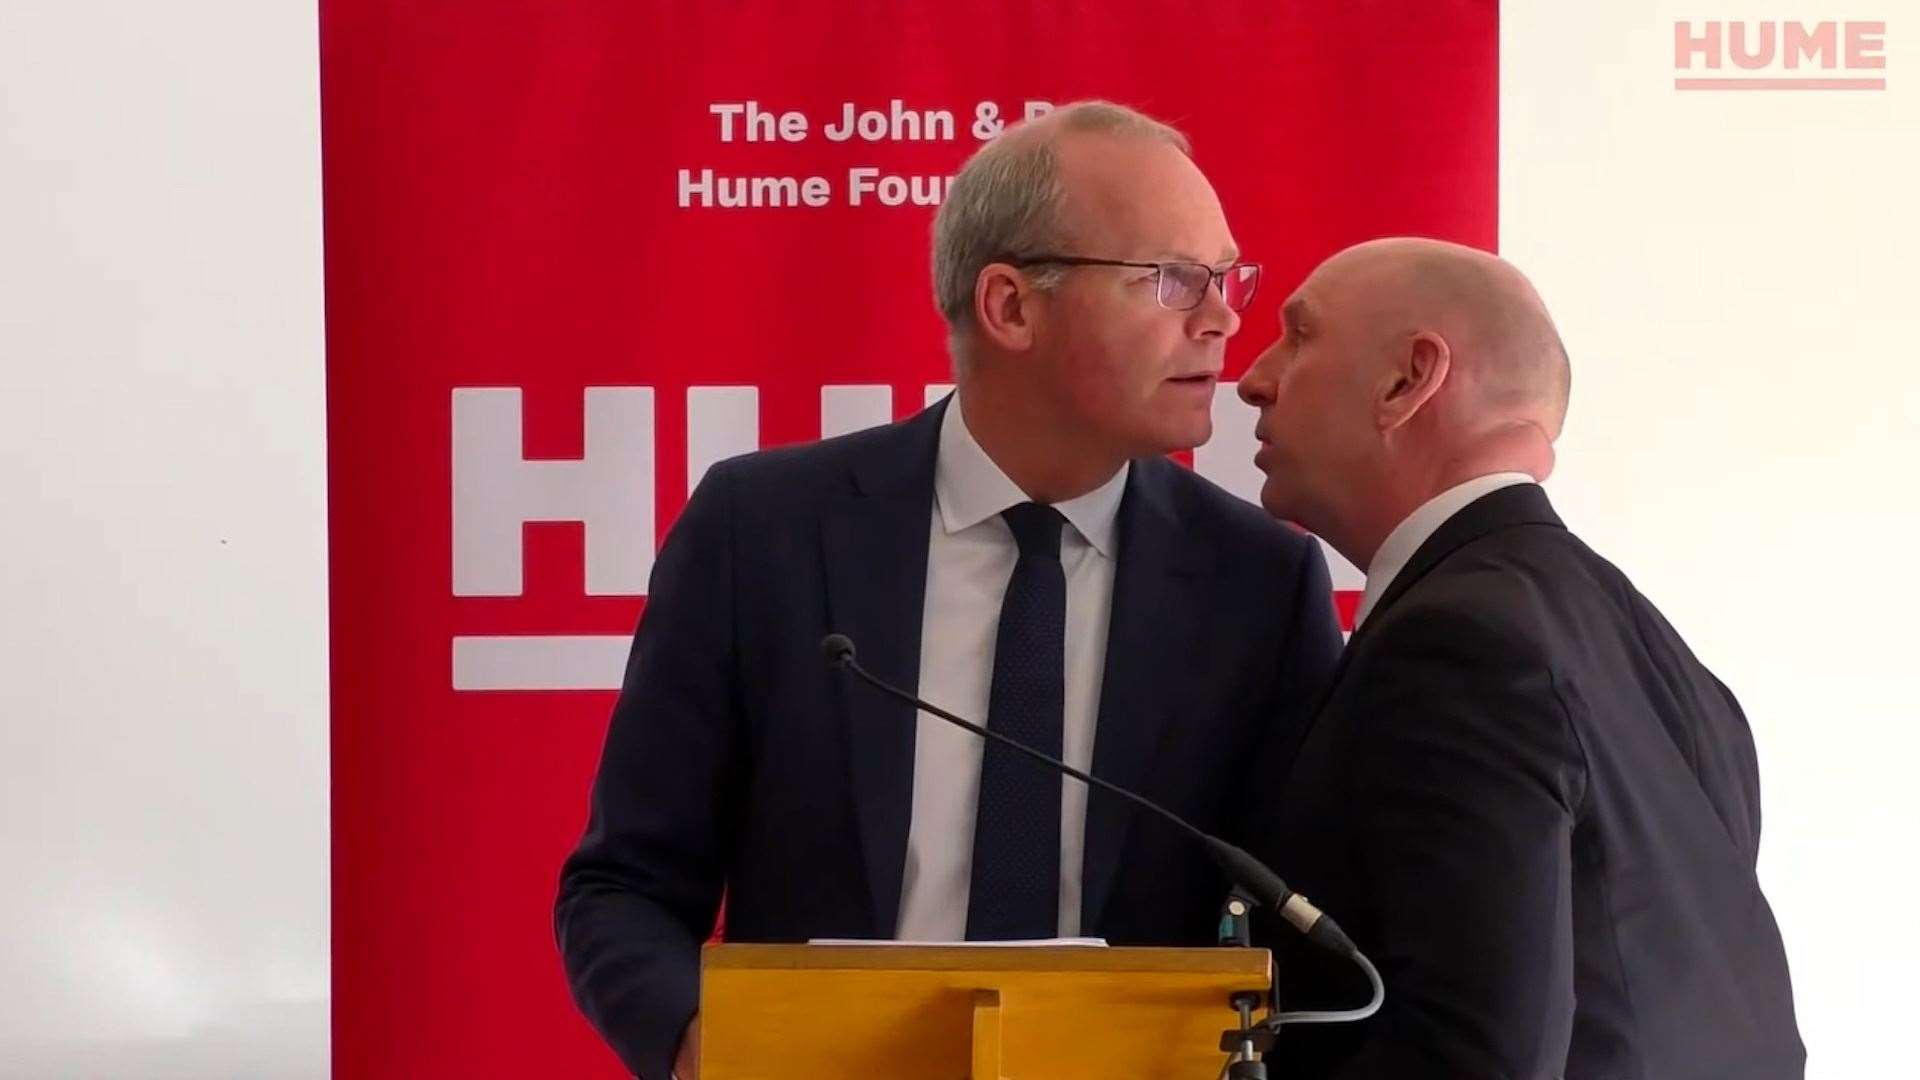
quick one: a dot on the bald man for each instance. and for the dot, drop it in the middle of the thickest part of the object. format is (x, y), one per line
(1524, 796)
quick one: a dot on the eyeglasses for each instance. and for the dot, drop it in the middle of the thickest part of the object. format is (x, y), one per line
(1182, 285)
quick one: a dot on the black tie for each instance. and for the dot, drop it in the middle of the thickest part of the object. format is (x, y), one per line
(1016, 835)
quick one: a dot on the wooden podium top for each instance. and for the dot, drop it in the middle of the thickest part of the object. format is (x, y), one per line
(992, 1012)
(1253, 964)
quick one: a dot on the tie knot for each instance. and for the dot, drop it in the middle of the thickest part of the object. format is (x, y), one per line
(1036, 528)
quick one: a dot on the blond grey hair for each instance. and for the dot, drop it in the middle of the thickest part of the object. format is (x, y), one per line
(1005, 203)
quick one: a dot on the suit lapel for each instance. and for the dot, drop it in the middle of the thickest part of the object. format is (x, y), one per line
(1521, 504)
(875, 541)
(1153, 642)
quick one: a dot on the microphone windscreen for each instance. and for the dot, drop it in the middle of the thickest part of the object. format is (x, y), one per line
(836, 649)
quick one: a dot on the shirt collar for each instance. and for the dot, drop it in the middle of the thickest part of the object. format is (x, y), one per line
(970, 488)
(1407, 537)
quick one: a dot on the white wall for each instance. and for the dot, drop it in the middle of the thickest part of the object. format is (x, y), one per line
(163, 725)
(1734, 273)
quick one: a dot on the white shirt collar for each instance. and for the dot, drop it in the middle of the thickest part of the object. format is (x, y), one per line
(1420, 525)
(970, 488)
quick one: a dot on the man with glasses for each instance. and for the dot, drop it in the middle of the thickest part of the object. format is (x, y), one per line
(1022, 552)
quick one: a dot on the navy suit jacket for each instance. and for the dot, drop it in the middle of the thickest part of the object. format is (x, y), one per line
(1538, 813)
(737, 763)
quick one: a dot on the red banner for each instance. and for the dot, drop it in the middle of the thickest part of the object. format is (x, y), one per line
(576, 252)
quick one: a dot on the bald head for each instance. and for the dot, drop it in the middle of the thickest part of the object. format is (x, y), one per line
(1405, 367)
(1507, 360)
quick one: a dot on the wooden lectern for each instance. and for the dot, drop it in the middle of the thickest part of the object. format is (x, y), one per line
(797, 1012)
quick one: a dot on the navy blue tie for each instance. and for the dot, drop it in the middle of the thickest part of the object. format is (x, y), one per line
(1016, 835)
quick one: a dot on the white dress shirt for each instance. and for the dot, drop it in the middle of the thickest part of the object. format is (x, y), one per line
(1407, 537)
(970, 557)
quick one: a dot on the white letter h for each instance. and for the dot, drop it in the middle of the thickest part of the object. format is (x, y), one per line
(496, 490)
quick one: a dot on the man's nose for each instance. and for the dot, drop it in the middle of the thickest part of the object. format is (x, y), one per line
(1256, 387)
(1213, 316)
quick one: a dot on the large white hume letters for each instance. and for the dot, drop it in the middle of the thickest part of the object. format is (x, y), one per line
(610, 490)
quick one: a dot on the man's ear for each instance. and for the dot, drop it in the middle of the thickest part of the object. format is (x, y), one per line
(1418, 372)
(1003, 307)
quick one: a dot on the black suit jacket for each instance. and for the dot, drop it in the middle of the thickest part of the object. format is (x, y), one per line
(1538, 813)
(736, 761)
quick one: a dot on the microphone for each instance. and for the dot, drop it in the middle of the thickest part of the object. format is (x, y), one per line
(1250, 874)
